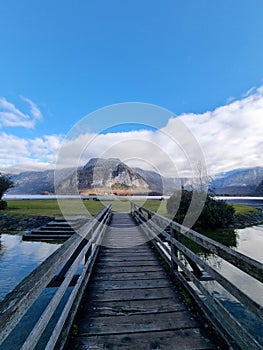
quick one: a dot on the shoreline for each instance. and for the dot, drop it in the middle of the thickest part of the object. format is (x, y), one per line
(248, 220)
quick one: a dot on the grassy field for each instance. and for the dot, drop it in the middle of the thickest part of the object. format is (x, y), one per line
(74, 207)
(245, 209)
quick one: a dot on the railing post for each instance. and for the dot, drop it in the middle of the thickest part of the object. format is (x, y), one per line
(88, 253)
(174, 250)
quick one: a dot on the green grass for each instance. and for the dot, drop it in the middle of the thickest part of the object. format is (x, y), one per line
(32, 208)
(74, 207)
(244, 209)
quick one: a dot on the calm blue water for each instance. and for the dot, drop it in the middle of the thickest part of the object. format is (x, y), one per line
(18, 258)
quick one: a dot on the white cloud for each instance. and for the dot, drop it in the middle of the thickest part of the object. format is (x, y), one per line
(18, 154)
(229, 137)
(11, 116)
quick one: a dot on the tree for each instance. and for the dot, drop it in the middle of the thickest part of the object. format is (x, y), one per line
(215, 213)
(5, 184)
(178, 204)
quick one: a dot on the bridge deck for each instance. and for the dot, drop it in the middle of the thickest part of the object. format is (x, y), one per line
(130, 302)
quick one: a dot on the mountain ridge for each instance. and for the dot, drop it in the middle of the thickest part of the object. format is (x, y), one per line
(112, 174)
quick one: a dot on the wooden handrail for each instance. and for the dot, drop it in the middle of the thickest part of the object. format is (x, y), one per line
(19, 300)
(162, 231)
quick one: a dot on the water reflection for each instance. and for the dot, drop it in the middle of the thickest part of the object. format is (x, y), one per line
(227, 237)
(18, 258)
(248, 241)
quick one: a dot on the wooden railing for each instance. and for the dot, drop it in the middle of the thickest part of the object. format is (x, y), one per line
(167, 237)
(58, 270)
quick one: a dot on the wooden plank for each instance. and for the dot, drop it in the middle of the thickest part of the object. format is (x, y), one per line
(131, 284)
(136, 323)
(133, 307)
(120, 244)
(121, 253)
(185, 339)
(129, 276)
(102, 269)
(130, 263)
(138, 294)
(145, 257)
(139, 248)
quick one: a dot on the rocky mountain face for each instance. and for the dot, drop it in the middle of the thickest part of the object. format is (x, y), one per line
(238, 182)
(33, 182)
(102, 176)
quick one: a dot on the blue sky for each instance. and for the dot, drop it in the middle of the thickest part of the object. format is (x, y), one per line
(61, 60)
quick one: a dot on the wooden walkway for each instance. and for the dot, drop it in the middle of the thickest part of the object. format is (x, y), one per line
(131, 302)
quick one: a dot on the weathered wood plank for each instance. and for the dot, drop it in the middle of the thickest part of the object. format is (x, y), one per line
(136, 323)
(133, 307)
(102, 269)
(185, 339)
(126, 253)
(122, 252)
(141, 275)
(121, 259)
(131, 284)
(139, 248)
(130, 263)
(138, 294)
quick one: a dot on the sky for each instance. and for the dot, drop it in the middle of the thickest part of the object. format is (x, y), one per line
(198, 63)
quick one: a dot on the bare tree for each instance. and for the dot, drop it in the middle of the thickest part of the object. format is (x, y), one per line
(201, 179)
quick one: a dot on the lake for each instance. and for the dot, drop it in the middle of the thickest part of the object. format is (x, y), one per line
(18, 258)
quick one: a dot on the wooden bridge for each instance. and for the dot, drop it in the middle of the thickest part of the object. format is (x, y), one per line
(118, 285)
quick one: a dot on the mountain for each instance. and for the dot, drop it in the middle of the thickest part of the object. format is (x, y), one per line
(104, 176)
(33, 182)
(238, 182)
(154, 179)
(259, 190)
(112, 175)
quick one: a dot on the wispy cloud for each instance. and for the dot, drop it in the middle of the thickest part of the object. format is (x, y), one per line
(11, 116)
